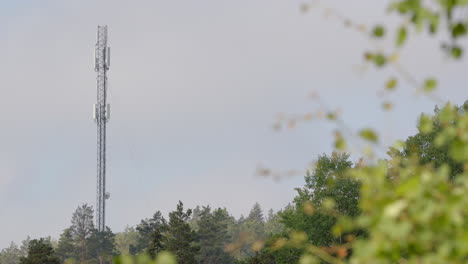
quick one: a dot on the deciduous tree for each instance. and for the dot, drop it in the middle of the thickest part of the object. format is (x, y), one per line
(11, 254)
(124, 240)
(328, 184)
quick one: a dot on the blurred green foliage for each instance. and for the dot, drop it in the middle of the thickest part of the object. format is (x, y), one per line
(412, 207)
(416, 211)
(162, 258)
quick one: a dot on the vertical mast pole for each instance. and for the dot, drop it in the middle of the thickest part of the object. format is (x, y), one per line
(101, 111)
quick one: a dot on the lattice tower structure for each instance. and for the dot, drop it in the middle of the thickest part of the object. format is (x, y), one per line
(101, 117)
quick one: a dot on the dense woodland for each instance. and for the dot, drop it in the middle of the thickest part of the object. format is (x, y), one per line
(198, 235)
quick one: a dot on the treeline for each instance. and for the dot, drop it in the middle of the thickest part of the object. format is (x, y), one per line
(199, 235)
(205, 235)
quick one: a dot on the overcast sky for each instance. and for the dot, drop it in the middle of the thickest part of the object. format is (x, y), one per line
(194, 90)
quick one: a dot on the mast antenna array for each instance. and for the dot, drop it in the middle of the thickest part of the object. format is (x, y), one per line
(101, 114)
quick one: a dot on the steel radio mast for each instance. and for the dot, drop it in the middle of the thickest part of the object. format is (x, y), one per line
(101, 114)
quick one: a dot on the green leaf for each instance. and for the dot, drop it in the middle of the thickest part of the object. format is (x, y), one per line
(331, 116)
(391, 84)
(447, 114)
(379, 60)
(401, 36)
(399, 144)
(408, 186)
(459, 150)
(434, 22)
(456, 52)
(143, 259)
(378, 31)
(328, 204)
(368, 134)
(165, 258)
(395, 208)
(308, 259)
(340, 142)
(425, 124)
(298, 237)
(430, 85)
(458, 30)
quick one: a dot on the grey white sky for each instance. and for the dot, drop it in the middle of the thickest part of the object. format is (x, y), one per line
(194, 89)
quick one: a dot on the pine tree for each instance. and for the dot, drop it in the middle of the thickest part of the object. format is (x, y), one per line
(102, 246)
(195, 218)
(255, 222)
(213, 236)
(156, 243)
(273, 223)
(150, 235)
(66, 246)
(40, 252)
(82, 229)
(179, 238)
(253, 228)
(256, 214)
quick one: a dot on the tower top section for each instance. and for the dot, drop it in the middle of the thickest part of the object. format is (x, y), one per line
(101, 51)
